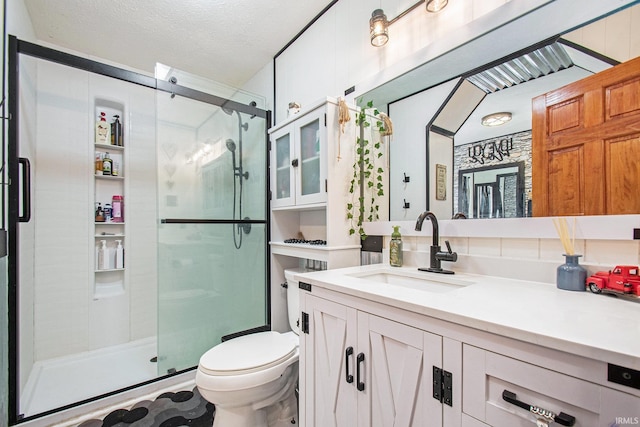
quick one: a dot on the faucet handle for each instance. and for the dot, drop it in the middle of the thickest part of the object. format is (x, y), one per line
(446, 242)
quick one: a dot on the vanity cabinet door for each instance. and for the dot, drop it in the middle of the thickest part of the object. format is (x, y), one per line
(362, 370)
(330, 401)
(397, 374)
(488, 376)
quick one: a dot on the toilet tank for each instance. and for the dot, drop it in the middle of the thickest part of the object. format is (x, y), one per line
(293, 298)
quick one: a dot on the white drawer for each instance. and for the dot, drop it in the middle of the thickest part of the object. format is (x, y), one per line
(487, 375)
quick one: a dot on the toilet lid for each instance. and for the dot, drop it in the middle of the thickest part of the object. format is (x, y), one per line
(247, 353)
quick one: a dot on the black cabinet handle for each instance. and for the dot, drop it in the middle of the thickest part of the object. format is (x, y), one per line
(294, 163)
(348, 353)
(562, 418)
(26, 190)
(359, 360)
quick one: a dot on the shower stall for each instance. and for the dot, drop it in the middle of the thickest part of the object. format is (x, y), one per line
(191, 190)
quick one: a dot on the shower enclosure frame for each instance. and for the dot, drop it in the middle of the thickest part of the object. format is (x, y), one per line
(18, 197)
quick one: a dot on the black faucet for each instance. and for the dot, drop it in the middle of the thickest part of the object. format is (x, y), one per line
(436, 255)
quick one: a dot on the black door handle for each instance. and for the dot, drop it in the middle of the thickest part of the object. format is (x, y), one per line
(359, 361)
(26, 189)
(562, 418)
(348, 353)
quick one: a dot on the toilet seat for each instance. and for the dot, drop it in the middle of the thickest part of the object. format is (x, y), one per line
(247, 354)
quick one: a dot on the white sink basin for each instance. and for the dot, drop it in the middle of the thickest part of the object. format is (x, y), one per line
(419, 280)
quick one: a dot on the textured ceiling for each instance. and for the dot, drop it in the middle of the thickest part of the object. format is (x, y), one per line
(225, 40)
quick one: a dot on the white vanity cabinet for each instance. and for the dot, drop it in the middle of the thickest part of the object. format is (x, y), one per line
(375, 355)
(359, 369)
(299, 160)
(498, 389)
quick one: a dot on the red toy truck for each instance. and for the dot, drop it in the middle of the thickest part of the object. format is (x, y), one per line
(622, 280)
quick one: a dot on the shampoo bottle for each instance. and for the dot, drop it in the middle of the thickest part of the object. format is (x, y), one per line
(117, 208)
(102, 129)
(103, 256)
(116, 131)
(395, 248)
(119, 254)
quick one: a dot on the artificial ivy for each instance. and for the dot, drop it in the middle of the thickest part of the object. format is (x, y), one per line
(366, 184)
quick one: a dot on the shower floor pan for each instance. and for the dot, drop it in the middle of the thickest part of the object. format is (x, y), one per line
(65, 380)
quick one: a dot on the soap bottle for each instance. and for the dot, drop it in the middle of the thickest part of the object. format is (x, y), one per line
(103, 256)
(99, 213)
(102, 129)
(107, 163)
(98, 164)
(119, 254)
(116, 131)
(395, 248)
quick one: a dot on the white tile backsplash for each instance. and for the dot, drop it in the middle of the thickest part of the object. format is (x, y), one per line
(520, 248)
(611, 253)
(484, 246)
(518, 258)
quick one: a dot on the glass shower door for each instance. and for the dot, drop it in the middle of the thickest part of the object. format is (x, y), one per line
(212, 236)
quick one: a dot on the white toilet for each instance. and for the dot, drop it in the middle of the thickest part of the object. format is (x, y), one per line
(252, 379)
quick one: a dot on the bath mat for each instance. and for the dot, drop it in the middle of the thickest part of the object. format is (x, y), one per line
(184, 408)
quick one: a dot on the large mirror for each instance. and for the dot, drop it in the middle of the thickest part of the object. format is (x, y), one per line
(477, 170)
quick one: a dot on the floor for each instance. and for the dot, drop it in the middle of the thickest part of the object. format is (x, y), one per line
(184, 408)
(57, 382)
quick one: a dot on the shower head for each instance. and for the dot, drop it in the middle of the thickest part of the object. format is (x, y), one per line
(227, 110)
(231, 145)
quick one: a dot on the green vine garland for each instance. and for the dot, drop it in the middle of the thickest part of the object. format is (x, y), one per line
(367, 180)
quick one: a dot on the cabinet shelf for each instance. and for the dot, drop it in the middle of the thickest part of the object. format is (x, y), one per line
(109, 223)
(303, 250)
(108, 236)
(309, 207)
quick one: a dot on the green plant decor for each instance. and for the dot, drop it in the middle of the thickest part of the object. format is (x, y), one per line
(366, 186)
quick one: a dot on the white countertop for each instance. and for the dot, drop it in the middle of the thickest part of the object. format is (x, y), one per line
(594, 326)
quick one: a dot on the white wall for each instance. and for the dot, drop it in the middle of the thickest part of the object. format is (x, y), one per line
(335, 53)
(19, 24)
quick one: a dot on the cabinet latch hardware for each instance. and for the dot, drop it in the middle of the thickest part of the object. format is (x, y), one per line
(325, 119)
(625, 376)
(304, 286)
(443, 386)
(305, 322)
(326, 187)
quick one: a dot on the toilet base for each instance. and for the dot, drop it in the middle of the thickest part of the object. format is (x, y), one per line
(280, 414)
(244, 416)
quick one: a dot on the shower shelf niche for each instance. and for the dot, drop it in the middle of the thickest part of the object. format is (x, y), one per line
(109, 282)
